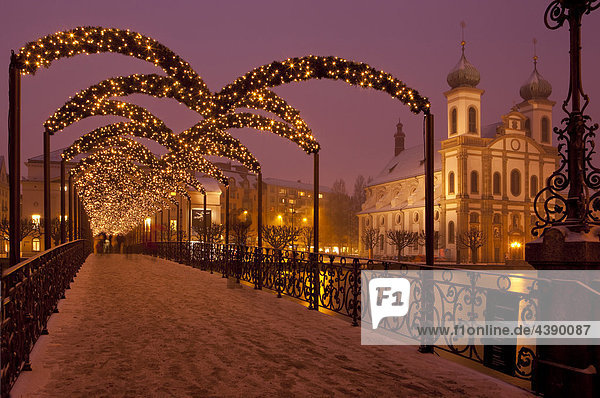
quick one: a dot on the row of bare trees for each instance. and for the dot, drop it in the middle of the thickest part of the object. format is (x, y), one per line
(32, 228)
(371, 237)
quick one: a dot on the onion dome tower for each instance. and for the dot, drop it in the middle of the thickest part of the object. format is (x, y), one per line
(536, 106)
(464, 98)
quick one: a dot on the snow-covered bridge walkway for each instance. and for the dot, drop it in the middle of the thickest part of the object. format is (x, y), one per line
(140, 326)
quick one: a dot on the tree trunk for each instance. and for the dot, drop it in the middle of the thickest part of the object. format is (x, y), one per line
(474, 256)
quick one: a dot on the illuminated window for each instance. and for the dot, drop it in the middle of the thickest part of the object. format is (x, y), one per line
(320, 196)
(451, 182)
(35, 244)
(36, 219)
(301, 193)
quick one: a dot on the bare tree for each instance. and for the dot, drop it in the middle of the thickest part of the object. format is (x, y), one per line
(213, 232)
(28, 227)
(307, 236)
(473, 240)
(240, 231)
(279, 237)
(370, 238)
(402, 239)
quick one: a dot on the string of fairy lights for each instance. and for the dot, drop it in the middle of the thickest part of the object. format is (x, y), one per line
(119, 180)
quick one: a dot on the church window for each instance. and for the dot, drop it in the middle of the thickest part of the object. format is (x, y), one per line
(474, 217)
(416, 217)
(381, 243)
(472, 120)
(515, 182)
(451, 182)
(399, 218)
(545, 130)
(533, 186)
(436, 215)
(497, 219)
(528, 127)
(451, 232)
(496, 182)
(453, 121)
(382, 220)
(474, 182)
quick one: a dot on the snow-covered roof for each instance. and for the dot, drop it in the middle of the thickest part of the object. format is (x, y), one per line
(408, 163)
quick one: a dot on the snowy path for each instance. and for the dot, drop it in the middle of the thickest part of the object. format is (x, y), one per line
(146, 327)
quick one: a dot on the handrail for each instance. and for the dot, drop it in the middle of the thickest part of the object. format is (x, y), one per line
(31, 291)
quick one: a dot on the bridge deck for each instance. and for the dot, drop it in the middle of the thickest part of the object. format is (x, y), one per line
(140, 326)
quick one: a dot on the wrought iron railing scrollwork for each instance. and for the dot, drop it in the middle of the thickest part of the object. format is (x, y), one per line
(31, 291)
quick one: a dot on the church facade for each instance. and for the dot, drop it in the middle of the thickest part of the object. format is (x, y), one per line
(486, 177)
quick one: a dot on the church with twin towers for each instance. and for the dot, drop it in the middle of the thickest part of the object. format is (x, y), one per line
(486, 177)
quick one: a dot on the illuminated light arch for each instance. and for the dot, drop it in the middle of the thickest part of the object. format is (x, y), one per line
(161, 86)
(136, 194)
(140, 153)
(93, 40)
(242, 120)
(182, 154)
(319, 67)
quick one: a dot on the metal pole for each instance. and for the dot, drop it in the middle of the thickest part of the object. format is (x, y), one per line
(14, 158)
(155, 227)
(47, 208)
(162, 224)
(429, 157)
(260, 209)
(316, 203)
(63, 215)
(316, 271)
(227, 215)
(169, 224)
(70, 207)
(205, 220)
(75, 216)
(190, 220)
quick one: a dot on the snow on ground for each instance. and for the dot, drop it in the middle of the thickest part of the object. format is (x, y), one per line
(140, 326)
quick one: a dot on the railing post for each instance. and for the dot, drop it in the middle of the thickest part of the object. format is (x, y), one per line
(355, 290)
(63, 221)
(14, 156)
(279, 259)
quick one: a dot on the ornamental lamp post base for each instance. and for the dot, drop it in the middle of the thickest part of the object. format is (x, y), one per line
(573, 370)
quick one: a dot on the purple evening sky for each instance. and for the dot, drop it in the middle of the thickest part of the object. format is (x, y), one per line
(418, 42)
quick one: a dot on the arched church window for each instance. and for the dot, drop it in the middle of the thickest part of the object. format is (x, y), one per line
(474, 182)
(545, 130)
(453, 121)
(451, 232)
(451, 182)
(528, 127)
(496, 183)
(533, 186)
(515, 182)
(472, 120)
(516, 220)
(497, 219)
(474, 217)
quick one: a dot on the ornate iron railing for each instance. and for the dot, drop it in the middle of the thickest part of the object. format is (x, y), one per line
(30, 294)
(334, 283)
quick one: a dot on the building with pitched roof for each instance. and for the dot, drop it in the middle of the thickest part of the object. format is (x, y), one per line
(486, 177)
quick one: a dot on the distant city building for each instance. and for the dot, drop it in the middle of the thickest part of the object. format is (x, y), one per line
(486, 177)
